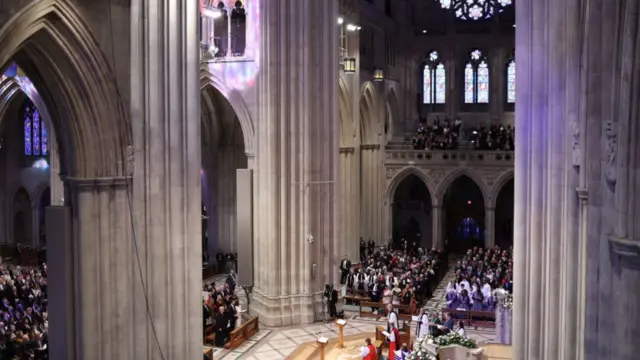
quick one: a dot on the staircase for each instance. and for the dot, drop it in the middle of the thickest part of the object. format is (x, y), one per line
(437, 301)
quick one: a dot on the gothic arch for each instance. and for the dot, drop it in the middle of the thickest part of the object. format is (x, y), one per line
(347, 131)
(392, 109)
(36, 198)
(12, 88)
(498, 185)
(455, 174)
(368, 115)
(19, 203)
(51, 43)
(237, 103)
(401, 175)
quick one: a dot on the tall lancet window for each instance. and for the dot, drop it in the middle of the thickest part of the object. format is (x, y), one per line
(35, 135)
(434, 80)
(511, 81)
(476, 79)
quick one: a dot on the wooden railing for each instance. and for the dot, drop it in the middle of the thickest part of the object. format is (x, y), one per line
(450, 157)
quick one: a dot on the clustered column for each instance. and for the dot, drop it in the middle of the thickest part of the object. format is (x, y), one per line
(373, 188)
(350, 202)
(577, 253)
(490, 224)
(296, 178)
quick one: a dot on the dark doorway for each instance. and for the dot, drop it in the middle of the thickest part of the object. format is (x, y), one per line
(412, 212)
(45, 202)
(504, 216)
(23, 214)
(463, 212)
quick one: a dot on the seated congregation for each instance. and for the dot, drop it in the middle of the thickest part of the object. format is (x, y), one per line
(401, 279)
(23, 312)
(478, 275)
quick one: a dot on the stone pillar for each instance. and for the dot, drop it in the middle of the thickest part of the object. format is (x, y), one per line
(349, 202)
(438, 241)
(296, 160)
(55, 183)
(165, 159)
(489, 227)
(103, 304)
(372, 193)
(35, 222)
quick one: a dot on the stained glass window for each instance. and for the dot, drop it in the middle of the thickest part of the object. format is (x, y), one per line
(511, 82)
(434, 80)
(441, 87)
(469, 80)
(483, 83)
(427, 84)
(476, 79)
(35, 134)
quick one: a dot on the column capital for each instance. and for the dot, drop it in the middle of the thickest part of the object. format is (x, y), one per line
(96, 183)
(370, 146)
(347, 150)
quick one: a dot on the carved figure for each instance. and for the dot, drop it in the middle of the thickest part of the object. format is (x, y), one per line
(576, 153)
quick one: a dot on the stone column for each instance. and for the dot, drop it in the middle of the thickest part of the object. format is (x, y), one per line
(55, 183)
(35, 223)
(349, 202)
(165, 159)
(438, 241)
(296, 160)
(372, 181)
(489, 227)
(104, 270)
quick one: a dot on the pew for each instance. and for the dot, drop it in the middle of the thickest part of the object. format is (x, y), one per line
(243, 333)
(483, 319)
(208, 271)
(356, 296)
(372, 305)
(208, 352)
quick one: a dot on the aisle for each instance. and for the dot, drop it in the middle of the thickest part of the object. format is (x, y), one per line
(437, 301)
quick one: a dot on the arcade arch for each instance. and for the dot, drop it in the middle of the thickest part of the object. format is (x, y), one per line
(412, 217)
(463, 209)
(22, 218)
(223, 152)
(503, 226)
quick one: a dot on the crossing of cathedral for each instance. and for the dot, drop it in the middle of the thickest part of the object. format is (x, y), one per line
(285, 179)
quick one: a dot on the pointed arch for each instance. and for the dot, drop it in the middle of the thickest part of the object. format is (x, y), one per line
(368, 116)
(392, 111)
(498, 185)
(237, 103)
(347, 132)
(457, 173)
(403, 174)
(55, 48)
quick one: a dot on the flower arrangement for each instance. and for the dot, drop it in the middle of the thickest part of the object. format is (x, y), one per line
(419, 353)
(455, 339)
(504, 298)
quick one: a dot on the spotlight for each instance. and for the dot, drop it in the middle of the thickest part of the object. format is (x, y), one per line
(340, 21)
(351, 27)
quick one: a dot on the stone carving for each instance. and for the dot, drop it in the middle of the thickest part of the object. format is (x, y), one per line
(130, 154)
(489, 176)
(391, 172)
(611, 150)
(576, 152)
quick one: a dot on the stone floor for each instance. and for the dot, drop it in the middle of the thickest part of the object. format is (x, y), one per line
(278, 343)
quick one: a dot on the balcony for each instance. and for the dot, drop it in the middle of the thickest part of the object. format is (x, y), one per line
(225, 34)
(447, 158)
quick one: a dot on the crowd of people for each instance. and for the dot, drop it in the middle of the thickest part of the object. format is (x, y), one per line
(445, 135)
(494, 137)
(407, 276)
(23, 311)
(221, 310)
(439, 136)
(477, 275)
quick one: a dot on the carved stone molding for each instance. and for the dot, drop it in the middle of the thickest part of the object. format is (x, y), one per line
(97, 183)
(583, 194)
(131, 156)
(628, 251)
(391, 172)
(436, 175)
(347, 150)
(576, 152)
(370, 146)
(611, 150)
(490, 176)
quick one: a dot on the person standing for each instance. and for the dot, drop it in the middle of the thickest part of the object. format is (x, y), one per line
(369, 351)
(363, 251)
(345, 267)
(394, 336)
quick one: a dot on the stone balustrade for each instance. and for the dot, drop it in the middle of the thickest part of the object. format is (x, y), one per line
(471, 158)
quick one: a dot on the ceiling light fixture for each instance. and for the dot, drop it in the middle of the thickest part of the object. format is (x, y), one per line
(475, 9)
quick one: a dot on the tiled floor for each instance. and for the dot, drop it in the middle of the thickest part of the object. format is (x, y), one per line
(278, 343)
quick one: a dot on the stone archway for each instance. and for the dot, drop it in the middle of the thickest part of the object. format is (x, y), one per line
(411, 212)
(50, 42)
(224, 145)
(504, 215)
(463, 204)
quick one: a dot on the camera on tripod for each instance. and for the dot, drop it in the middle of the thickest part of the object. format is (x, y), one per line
(331, 296)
